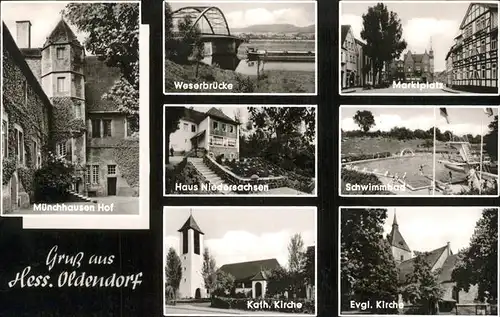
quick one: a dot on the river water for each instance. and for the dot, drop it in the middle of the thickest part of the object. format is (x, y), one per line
(241, 65)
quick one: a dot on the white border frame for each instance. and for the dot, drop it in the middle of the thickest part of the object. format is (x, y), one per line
(205, 2)
(216, 314)
(164, 169)
(339, 62)
(102, 221)
(430, 107)
(339, 290)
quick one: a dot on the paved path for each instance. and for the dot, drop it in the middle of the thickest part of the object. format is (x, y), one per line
(192, 310)
(121, 206)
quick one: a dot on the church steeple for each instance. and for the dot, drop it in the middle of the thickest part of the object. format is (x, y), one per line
(431, 52)
(395, 220)
(400, 250)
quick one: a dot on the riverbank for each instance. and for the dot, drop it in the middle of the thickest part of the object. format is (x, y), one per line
(271, 81)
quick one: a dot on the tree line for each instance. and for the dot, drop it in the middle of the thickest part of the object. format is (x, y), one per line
(366, 121)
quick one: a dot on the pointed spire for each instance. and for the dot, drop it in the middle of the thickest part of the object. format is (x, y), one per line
(395, 221)
(431, 45)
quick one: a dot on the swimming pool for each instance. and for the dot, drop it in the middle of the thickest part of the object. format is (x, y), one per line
(410, 165)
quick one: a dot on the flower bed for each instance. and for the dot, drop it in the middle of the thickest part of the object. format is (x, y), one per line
(306, 306)
(256, 166)
(231, 178)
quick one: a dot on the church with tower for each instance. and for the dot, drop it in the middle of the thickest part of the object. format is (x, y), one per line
(54, 103)
(441, 260)
(250, 277)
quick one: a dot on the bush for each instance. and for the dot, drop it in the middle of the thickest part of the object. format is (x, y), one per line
(53, 180)
(307, 306)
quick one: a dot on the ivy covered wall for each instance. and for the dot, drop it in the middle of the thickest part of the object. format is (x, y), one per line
(25, 106)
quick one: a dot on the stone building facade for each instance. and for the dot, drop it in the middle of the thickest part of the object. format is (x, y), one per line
(349, 58)
(86, 129)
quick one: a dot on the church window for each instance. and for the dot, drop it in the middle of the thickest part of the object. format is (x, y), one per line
(60, 52)
(61, 84)
(111, 169)
(184, 242)
(95, 174)
(196, 242)
(193, 128)
(106, 125)
(96, 128)
(61, 149)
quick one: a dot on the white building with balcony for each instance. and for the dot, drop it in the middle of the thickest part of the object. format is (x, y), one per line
(211, 131)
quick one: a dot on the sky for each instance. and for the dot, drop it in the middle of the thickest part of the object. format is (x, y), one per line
(463, 120)
(243, 14)
(236, 234)
(43, 16)
(429, 228)
(420, 21)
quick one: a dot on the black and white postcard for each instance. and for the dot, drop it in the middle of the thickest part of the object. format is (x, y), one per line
(238, 149)
(418, 150)
(418, 261)
(70, 108)
(430, 47)
(240, 47)
(242, 265)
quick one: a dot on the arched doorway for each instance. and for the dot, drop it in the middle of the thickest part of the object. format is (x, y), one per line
(197, 293)
(258, 290)
(13, 191)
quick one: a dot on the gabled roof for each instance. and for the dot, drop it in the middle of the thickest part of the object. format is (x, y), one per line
(406, 267)
(197, 116)
(190, 224)
(62, 34)
(344, 30)
(261, 276)
(491, 6)
(245, 271)
(447, 268)
(218, 114)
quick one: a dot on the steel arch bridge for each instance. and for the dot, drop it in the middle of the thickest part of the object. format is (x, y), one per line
(210, 20)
